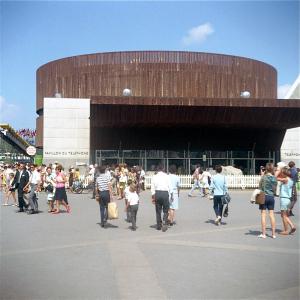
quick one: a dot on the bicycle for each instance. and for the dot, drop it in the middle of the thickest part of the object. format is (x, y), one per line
(78, 187)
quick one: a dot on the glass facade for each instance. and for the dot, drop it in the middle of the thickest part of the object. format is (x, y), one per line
(248, 161)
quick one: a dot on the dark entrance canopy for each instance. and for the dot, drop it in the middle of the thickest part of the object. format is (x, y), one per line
(197, 123)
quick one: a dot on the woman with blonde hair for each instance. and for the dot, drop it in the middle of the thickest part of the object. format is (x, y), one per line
(11, 188)
(267, 185)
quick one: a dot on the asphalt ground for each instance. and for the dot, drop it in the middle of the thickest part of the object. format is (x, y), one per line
(69, 256)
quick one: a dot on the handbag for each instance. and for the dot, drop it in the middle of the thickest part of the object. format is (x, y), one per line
(112, 211)
(226, 210)
(260, 198)
(225, 199)
(49, 188)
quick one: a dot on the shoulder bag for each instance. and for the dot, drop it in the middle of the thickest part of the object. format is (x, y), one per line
(226, 197)
(260, 198)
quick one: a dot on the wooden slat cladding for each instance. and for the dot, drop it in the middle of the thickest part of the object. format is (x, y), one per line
(156, 74)
(39, 131)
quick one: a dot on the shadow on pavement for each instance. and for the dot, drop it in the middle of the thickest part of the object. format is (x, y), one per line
(108, 225)
(253, 232)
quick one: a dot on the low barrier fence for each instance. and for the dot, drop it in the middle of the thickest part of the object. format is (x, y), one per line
(233, 181)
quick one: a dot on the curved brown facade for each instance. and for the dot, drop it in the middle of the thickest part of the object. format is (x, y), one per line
(156, 74)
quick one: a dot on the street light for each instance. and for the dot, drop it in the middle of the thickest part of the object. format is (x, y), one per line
(245, 94)
(127, 92)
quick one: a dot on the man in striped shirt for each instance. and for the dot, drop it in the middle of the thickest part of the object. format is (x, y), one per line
(103, 194)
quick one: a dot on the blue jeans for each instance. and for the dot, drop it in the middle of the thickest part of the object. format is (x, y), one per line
(218, 206)
(103, 203)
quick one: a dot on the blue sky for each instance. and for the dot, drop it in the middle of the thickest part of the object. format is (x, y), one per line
(34, 33)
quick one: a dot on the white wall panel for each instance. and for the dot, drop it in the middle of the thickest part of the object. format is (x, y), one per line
(66, 130)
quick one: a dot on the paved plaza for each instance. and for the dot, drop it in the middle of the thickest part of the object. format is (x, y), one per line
(69, 256)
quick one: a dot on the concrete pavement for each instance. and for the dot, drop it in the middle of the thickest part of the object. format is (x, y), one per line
(69, 256)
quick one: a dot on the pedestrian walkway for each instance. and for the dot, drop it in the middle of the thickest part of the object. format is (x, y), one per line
(70, 256)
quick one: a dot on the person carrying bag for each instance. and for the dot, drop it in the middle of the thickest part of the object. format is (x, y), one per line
(267, 185)
(103, 195)
(219, 188)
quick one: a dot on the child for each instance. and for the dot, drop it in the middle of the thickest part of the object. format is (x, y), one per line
(128, 216)
(285, 200)
(49, 185)
(133, 204)
(122, 182)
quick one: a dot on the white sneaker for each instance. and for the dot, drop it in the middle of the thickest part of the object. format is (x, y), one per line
(218, 220)
(262, 236)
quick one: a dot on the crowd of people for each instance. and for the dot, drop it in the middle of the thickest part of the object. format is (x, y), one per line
(29, 180)
(127, 183)
(27, 134)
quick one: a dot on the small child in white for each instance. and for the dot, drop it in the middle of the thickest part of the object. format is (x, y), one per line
(133, 204)
(128, 214)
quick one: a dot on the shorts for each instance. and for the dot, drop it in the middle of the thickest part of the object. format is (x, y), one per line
(122, 185)
(285, 203)
(269, 203)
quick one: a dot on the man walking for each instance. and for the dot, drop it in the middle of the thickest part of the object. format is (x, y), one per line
(161, 191)
(22, 180)
(294, 177)
(34, 182)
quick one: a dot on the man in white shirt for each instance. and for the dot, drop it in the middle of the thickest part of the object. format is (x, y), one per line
(34, 181)
(161, 190)
(91, 173)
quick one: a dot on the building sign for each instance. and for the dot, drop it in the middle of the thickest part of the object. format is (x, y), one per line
(289, 154)
(66, 153)
(31, 150)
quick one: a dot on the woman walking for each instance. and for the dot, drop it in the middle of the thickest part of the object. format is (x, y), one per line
(60, 195)
(219, 188)
(11, 189)
(175, 187)
(267, 185)
(285, 200)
